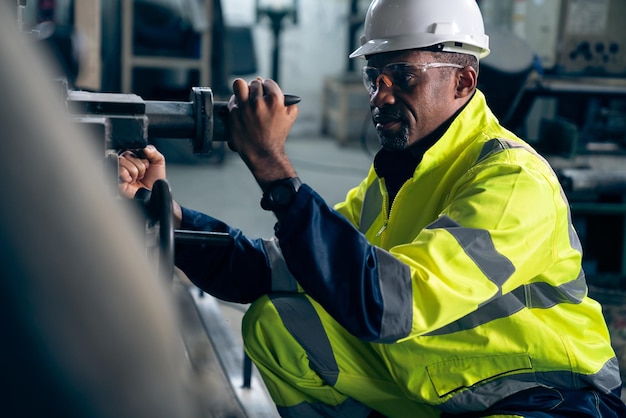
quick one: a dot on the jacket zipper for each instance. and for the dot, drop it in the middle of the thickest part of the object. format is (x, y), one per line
(387, 203)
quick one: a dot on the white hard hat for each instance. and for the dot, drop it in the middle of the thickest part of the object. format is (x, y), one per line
(395, 25)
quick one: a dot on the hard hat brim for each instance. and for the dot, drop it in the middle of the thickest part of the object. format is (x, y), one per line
(417, 41)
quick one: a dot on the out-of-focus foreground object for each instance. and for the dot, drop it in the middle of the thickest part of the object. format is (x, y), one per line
(88, 329)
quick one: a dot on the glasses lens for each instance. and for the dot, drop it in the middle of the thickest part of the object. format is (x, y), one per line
(403, 75)
(370, 75)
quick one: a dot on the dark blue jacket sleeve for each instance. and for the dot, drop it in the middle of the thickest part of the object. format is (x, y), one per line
(333, 262)
(238, 273)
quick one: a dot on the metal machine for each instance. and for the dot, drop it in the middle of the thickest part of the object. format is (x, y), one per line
(127, 122)
(570, 37)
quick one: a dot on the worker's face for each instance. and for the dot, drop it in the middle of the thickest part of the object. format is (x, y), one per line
(409, 102)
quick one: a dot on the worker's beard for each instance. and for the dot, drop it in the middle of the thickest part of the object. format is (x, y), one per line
(394, 141)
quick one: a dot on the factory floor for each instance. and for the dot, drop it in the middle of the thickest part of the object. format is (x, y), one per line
(226, 190)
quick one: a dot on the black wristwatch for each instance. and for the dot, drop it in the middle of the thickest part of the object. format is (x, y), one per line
(280, 194)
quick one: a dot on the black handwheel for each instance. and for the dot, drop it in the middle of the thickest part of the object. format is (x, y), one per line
(160, 211)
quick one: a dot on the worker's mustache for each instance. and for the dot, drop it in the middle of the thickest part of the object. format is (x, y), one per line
(386, 114)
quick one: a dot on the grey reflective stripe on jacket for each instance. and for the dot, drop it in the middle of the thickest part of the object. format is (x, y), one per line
(282, 279)
(396, 288)
(396, 293)
(498, 268)
(303, 323)
(350, 408)
(481, 396)
(372, 203)
(478, 246)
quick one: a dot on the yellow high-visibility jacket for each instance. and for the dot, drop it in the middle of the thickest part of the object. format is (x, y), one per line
(499, 298)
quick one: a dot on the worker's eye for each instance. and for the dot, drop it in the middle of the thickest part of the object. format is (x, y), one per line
(404, 78)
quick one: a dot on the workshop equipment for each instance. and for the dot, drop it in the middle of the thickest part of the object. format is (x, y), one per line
(127, 122)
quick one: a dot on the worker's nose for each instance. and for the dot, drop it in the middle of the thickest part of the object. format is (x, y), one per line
(383, 94)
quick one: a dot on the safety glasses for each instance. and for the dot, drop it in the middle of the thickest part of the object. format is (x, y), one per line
(401, 74)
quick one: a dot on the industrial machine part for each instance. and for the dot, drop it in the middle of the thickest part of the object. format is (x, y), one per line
(581, 180)
(569, 37)
(127, 122)
(156, 206)
(592, 38)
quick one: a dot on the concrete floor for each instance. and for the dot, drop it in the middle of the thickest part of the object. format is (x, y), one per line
(229, 192)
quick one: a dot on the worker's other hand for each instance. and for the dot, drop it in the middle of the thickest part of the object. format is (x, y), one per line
(260, 123)
(136, 173)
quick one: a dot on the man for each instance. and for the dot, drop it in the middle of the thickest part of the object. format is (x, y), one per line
(448, 283)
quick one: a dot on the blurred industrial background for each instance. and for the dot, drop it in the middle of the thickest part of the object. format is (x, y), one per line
(542, 51)
(556, 76)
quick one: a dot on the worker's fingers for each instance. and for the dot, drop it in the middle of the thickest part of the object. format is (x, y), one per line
(137, 157)
(271, 87)
(124, 176)
(240, 91)
(153, 155)
(255, 91)
(273, 93)
(135, 167)
(128, 174)
(139, 160)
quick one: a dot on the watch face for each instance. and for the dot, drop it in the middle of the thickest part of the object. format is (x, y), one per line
(282, 194)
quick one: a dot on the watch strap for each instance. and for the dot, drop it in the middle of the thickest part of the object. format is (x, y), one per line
(268, 203)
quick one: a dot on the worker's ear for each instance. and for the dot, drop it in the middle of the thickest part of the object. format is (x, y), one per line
(467, 79)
